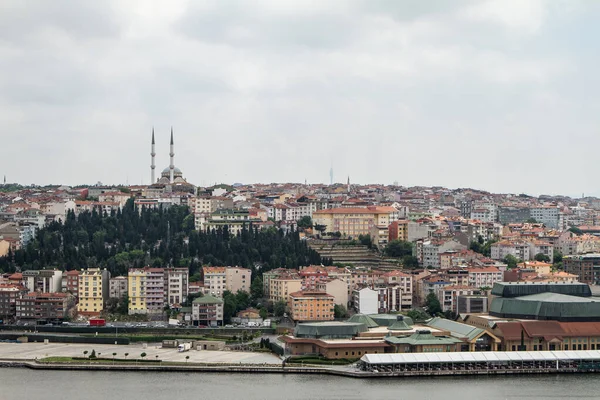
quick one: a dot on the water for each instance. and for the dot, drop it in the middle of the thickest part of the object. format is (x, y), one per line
(17, 383)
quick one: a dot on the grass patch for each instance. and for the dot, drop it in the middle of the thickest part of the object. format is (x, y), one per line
(85, 360)
(320, 360)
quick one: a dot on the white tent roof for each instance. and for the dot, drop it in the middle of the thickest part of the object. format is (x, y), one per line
(483, 356)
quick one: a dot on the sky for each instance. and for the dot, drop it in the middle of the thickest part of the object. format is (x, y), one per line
(500, 95)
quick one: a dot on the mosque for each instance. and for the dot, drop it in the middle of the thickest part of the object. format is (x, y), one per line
(170, 175)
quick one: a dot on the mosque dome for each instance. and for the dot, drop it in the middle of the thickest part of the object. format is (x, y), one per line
(175, 171)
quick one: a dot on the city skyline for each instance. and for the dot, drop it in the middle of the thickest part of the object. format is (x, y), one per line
(485, 95)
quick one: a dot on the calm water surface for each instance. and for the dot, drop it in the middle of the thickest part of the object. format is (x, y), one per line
(17, 383)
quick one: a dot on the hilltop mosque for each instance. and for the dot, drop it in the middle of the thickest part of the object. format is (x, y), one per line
(170, 175)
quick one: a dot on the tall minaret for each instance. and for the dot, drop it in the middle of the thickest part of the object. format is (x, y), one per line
(348, 183)
(172, 164)
(153, 165)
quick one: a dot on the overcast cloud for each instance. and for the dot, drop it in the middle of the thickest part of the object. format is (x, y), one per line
(499, 95)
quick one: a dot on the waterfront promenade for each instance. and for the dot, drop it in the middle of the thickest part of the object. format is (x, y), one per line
(37, 351)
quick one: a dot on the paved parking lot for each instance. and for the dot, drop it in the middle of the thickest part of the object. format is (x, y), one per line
(40, 350)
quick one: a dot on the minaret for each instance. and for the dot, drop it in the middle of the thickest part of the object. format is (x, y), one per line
(172, 164)
(153, 165)
(348, 183)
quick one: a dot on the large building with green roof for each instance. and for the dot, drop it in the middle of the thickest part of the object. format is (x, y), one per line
(547, 306)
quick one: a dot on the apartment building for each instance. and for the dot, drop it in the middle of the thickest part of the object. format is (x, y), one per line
(43, 306)
(428, 251)
(176, 285)
(586, 267)
(44, 281)
(237, 278)
(93, 291)
(234, 220)
(484, 277)
(206, 205)
(118, 287)
(335, 287)
(282, 286)
(448, 296)
(365, 300)
(70, 282)
(311, 306)
(548, 215)
(398, 230)
(9, 293)
(355, 221)
(146, 290)
(207, 311)
(400, 290)
(215, 280)
(519, 249)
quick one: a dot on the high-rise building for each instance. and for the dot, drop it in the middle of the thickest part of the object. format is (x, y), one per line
(146, 290)
(93, 291)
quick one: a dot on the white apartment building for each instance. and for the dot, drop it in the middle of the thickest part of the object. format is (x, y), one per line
(366, 301)
(176, 285)
(45, 281)
(214, 280)
(484, 277)
(519, 249)
(548, 215)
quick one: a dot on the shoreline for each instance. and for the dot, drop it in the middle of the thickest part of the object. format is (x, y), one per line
(256, 369)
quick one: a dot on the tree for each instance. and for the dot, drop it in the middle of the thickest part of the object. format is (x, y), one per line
(557, 257)
(85, 353)
(279, 308)
(475, 246)
(263, 313)
(229, 306)
(410, 262)
(511, 261)
(542, 257)
(365, 240)
(126, 354)
(256, 288)
(531, 221)
(576, 230)
(123, 305)
(187, 358)
(433, 304)
(114, 355)
(417, 314)
(305, 222)
(398, 248)
(339, 311)
(143, 355)
(320, 228)
(93, 355)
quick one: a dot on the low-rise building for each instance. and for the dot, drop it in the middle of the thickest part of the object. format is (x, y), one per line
(207, 311)
(9, 293)
(117, 287)
(45, 281)
(311, 306)
(586, 267)
(43, 306)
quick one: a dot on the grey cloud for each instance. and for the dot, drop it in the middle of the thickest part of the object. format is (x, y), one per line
(22, 20)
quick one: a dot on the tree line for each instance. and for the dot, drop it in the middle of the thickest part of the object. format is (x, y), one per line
(135, 237)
